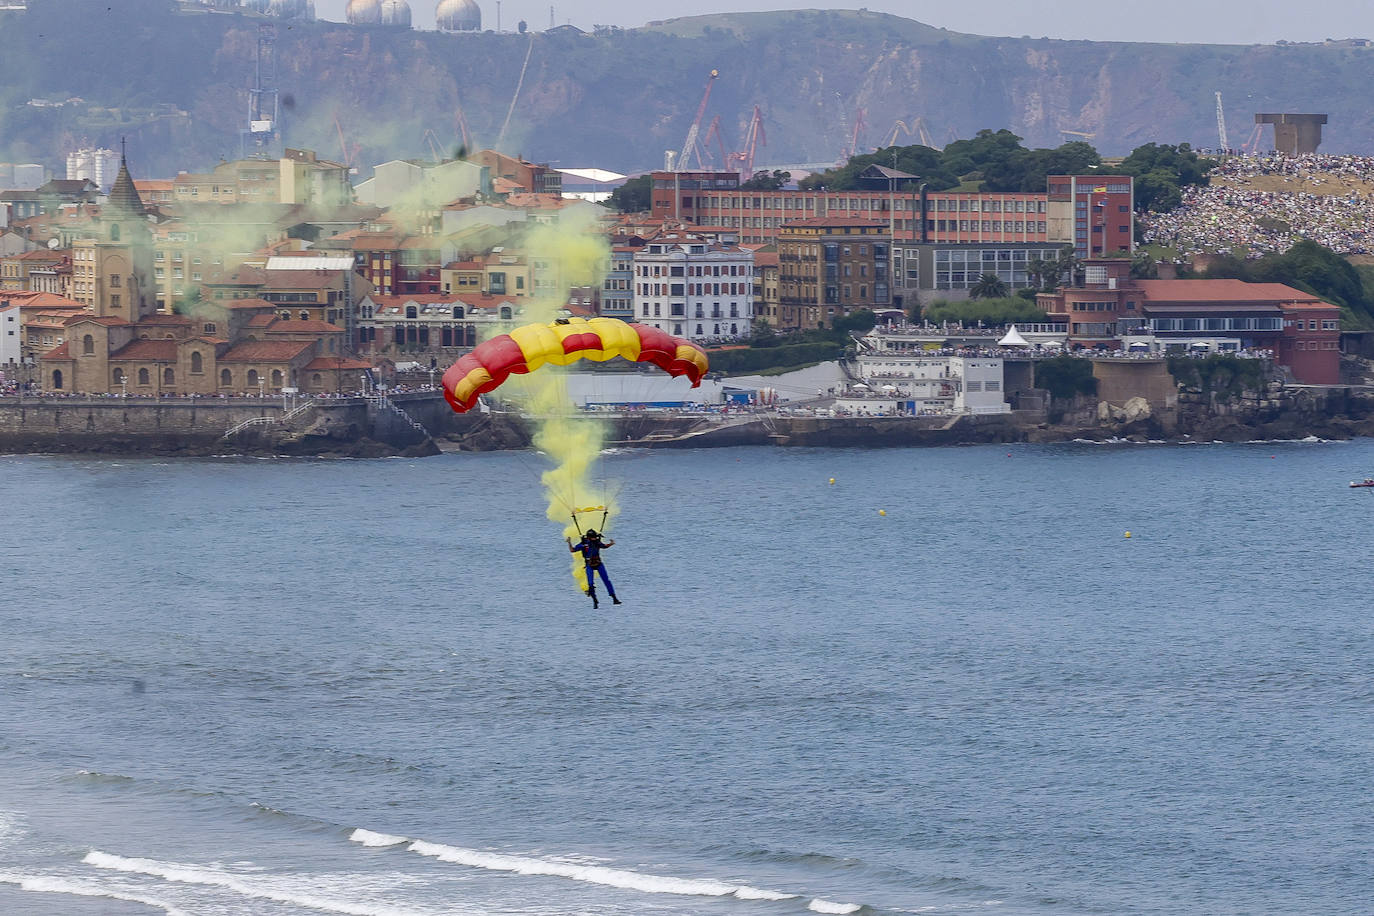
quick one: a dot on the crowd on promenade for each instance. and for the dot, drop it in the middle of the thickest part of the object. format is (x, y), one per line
(30, 390)
(1331, 205)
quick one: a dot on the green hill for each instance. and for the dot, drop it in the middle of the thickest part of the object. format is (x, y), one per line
(175, 81)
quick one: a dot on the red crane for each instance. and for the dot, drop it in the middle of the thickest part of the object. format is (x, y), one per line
(705, 146)
(743, 162)
(690, 143)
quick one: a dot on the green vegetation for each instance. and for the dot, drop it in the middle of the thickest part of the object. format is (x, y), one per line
(996, 161)
(989, 286)
(634, 196)
(791, 355)
(991, 312)
(770, 352)
(997, 157)
(1221, 374)
(1065, 377)
(1161, 171)
(765, 181)
(1313, 269)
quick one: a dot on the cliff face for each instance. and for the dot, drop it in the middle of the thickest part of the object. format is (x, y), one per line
(176, 83)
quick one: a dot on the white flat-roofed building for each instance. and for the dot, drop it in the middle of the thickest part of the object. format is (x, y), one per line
(695, 287)
(911, 380)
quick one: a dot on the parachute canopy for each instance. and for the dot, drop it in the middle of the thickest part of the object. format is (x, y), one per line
(562, 342)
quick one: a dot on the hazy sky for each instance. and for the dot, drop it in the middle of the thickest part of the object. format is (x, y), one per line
(1227, 21)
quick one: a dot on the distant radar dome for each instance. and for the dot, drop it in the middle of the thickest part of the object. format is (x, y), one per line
(396, 12)
(458, 16)
(364, 12)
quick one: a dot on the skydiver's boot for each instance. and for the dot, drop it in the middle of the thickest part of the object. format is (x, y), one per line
(615, 599)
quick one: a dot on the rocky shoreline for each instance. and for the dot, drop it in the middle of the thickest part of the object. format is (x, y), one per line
(347, 430)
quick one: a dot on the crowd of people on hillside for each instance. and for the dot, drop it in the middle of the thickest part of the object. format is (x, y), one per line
(1334, 208)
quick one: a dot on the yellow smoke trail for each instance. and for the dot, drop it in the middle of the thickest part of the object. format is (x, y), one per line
(572, 441)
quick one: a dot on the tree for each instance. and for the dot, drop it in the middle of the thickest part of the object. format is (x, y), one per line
(993, 312)
(1067, 266)
(859, 321)
(1040, 272)
(763, 181)
(634, 196)
(989, 286)
(1161, 171)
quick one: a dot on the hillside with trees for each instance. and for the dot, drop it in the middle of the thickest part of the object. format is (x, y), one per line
(175, 80)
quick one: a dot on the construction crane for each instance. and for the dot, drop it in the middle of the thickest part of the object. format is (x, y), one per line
(1249, 145)
(433, 140)
(460, 122)
(689, 144)
(349, 151)
(853, 149)
(1221, 125)
(743, 162)
(917, 130)
(704, 147)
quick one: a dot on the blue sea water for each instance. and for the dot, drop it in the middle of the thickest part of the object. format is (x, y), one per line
(367, 687)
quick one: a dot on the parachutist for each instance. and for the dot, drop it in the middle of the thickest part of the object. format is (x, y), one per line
(590, 547)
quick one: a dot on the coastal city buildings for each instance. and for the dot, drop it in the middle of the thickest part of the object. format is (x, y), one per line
(695, 287)
(829, 267)
(1110, 310)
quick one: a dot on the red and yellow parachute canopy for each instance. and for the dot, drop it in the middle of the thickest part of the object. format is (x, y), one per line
(565, 341)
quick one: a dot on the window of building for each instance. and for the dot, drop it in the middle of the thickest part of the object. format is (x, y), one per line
(88, 345)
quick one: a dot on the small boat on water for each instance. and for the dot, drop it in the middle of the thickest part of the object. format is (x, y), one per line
(1367, 482)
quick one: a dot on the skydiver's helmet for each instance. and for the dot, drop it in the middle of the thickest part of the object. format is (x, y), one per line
(591, 533)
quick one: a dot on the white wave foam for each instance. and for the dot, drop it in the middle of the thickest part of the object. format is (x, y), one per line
(592, 874)
(825, 906)
(252, 887)
(52, 884)
(368, 838)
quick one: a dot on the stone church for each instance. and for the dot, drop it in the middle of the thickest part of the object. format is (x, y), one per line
(228, 347)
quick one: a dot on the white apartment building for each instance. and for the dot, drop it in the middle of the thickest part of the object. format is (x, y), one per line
(695, 287)
(896, 370)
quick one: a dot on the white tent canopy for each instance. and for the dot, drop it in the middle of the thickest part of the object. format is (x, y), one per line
(1013, 338)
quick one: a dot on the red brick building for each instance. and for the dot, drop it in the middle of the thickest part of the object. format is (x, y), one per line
(1302, 330)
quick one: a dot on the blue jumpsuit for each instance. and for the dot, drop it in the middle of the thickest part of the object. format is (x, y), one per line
(591, 555)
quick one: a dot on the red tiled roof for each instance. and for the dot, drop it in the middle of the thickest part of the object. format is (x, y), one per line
(165, 320)
(29, 299)
(463, 265)
(421, 242)
(246, 303)
(336, 362)
(266, 351)
(375, 242)
(58, 352)
(1233, 291)
(163, 351)
(485, 300)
